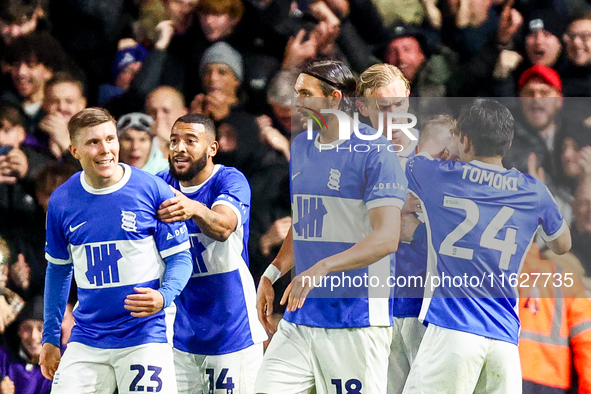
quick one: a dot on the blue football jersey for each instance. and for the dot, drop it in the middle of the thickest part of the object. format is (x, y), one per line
(113, 239)
(481, 220)
(216, 312)
(410, 261)
(332, 191)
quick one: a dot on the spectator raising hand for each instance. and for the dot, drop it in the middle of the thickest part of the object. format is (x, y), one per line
(273, 137)
(509, 23)
(13, 166)
(298, 50)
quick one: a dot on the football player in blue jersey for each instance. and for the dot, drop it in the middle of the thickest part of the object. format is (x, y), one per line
(387, 90)
(436, 139)
(129, 266)
(346, 205)
(218, 340)
(480, 221)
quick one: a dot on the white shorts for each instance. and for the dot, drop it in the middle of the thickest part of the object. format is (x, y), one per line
(300, 359)
(145, 368)
(457, 362)
(407, 334)
(221, 374)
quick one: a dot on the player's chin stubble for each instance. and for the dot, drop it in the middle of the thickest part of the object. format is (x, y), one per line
(194, 169)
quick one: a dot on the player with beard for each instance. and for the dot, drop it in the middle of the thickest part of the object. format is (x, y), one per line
(218, 339)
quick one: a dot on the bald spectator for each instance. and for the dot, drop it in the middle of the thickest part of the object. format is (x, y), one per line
(577, 75)
(279, 97)
(165, 105)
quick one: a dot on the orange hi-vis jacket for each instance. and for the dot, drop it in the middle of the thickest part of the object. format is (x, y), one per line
(555, 326)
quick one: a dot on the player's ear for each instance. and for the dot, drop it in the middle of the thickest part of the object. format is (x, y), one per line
(362, 107)
(464, 143)
(74, 152)
(213, 148)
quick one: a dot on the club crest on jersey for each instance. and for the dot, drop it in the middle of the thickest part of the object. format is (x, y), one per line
(334, 179)
(128, 221)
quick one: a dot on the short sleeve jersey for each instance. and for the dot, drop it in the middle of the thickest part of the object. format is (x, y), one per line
(333, 187)
(481, 220)
(216, 312)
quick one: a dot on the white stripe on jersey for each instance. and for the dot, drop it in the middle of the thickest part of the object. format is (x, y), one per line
(232, 207)
(347, 219)
(257, 332)
(385, 202)
(140, 262)
(378, 297)
(58, 261)
(175, 249)
(431, 264)
(558, 233)
(220, 257)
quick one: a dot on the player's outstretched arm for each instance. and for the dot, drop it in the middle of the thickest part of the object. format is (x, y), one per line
(562, 244)
(147, 301)
(49, 360)
(265, 294)
(382, 241)
(217, 223)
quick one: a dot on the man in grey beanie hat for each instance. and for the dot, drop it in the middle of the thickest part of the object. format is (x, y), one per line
(222, 53)
(221, 71)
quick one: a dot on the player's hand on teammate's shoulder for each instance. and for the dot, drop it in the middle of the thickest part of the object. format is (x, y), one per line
(295, 294)
(49, 359)
(265, 298)
(145, 302)
(177, 208)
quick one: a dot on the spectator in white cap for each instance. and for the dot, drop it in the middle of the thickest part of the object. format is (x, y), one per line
(138, 146)
(221, 72)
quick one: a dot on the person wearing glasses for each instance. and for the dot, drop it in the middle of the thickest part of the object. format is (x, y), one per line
(576, 77)
(139, 148)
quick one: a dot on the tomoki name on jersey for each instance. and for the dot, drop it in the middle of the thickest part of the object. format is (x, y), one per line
(332, 191)
(115, 243)
(481, 220)
(216, 312)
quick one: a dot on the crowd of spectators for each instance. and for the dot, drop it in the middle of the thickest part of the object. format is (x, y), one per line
(150, 61)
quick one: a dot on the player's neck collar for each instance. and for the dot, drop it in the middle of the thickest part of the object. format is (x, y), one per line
(111, 189)
(193, 189)
(328, 145)
(488, 166)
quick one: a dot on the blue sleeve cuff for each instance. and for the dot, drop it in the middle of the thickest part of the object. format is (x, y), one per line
(179, 268)
(58, 279)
